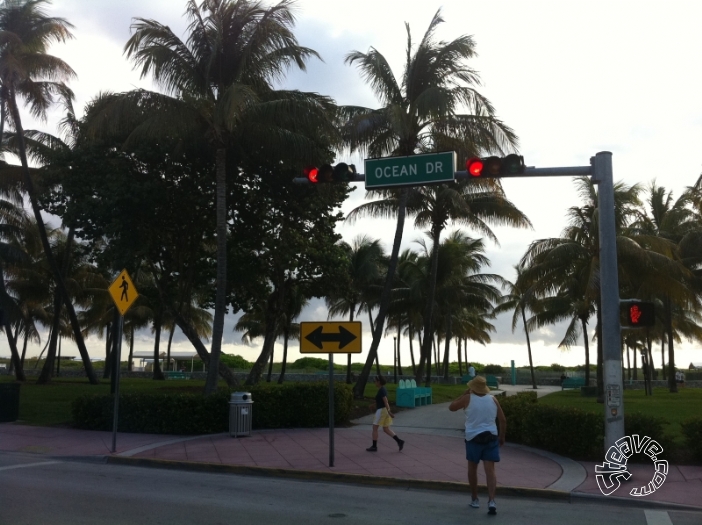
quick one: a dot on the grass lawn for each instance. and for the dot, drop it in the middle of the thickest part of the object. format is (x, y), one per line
(673, 408)
(47, 405)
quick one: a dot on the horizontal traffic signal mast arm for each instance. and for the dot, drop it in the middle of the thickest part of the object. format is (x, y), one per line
(569, 171)
(352, 177)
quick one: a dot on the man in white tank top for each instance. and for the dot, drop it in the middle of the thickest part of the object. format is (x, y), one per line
(483, 437)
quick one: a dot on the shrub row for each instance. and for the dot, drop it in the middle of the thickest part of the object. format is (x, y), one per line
(573, 432)
(291, 405)
(692, 430)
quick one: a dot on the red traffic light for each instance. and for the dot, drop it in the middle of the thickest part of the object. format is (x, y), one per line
(311, 172)
(496, 166)
(474, 166)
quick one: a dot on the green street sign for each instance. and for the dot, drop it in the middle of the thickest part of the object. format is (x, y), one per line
(415, 170)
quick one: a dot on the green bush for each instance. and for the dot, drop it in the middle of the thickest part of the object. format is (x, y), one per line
(234, 361)
(692, 430)
(300, 405)
(515, 408)
(492, 369)
(557, 368)
(314, 363)
(647, 425)
(289, 405)
(567, 431)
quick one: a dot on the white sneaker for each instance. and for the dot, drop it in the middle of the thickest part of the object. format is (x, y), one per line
(492, 508)
(475, 503)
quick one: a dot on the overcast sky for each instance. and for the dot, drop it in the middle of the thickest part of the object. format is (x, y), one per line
(571, 78)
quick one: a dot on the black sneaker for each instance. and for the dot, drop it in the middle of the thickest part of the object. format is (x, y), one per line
(401, 443)
(492, 508)
(372, 449)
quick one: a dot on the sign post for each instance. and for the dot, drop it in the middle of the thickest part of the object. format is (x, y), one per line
(123, 293)
(331, 338)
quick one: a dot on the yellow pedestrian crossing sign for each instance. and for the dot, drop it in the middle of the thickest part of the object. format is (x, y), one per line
(123, 292)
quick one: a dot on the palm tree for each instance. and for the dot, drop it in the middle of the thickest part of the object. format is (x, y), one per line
(364, 257)
(519, 298)
(28, 72)
(218, 85)
(419, 114)
(662, 228)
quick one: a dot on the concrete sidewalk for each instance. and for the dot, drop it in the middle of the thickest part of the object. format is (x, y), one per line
(433, 457)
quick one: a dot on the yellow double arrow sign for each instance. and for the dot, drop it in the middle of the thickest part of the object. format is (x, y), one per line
(330, 338)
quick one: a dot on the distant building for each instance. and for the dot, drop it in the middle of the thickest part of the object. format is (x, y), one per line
(186, 361)
(696, 366)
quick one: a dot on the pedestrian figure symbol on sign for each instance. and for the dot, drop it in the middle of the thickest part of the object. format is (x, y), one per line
(125, 287)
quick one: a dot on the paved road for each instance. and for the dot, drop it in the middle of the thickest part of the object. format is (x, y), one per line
(35, 490)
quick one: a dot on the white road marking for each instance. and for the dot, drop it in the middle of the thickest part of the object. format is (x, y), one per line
(27, 465)
(657, 517)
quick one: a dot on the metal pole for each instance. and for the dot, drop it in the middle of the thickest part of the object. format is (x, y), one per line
(609, 293)
(118, 351)
(331, 410)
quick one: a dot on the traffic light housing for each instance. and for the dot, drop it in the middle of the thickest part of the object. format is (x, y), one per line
(342, 172)
(638, 313)
(510, 165)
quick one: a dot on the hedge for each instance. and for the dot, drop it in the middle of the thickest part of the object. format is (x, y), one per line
(692, 430)
(291, 405)
(572, 432)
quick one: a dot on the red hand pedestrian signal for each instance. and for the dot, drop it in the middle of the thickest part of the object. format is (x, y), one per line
(634, 314)
(638, 313)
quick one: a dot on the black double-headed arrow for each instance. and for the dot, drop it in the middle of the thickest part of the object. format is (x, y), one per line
(343, 337)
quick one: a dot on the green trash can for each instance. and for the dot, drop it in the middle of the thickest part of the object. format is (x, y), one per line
(9, 402)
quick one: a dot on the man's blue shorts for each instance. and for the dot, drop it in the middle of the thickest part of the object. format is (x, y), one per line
(487, 452)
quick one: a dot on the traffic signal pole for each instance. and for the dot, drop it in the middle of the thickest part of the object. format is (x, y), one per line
(601, 173)
(609, 293)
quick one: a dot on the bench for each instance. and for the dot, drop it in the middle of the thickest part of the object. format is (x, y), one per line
(572, 382)
(492, 382)
(408, 394)
(176, 375)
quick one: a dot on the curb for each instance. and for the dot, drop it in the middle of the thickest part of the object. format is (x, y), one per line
(619, 501)
(355, 479)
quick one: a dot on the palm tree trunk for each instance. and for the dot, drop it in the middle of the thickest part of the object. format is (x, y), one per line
(24, 351)
(58, 361)
(47, 370)
(348, 356)
(360, 385)
(168, 348)
(628, 362)
(42, 351)
(586, 343)
(636, 364)
(673, 386)
(201, 350)
(399, 336)
(270, 365)
(158, 374)
(286, 336)
(17, 363)
(663, 356)
(449, 336)
(377, 359)
(29, 187)
(221, 279)
(414, 367)
(131, 348)
(460, 366)
(531, 362)
(429, 311)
